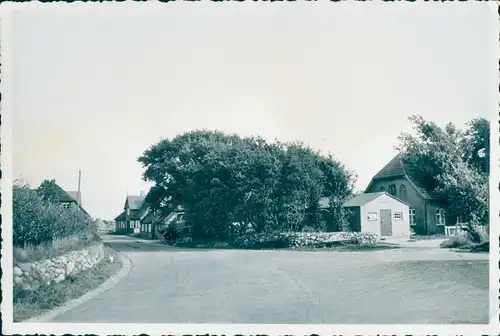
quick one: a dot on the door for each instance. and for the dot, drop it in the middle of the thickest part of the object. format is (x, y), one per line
(385, 223)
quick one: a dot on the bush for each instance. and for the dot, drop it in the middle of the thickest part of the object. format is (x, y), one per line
(171, 233)
(456, 242)
(482, 247)
(37, 221)
(304, 239)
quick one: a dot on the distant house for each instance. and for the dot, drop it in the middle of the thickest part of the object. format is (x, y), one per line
(69, 199)
(132, 209)
(121, 223)
(427, 214)
(139, 217)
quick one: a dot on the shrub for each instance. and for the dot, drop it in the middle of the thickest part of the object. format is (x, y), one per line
(304, 239)
(455, 242)
(171, 233)
(482, 247)
(37, 221)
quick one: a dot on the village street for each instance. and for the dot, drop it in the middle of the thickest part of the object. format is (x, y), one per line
(173, 285)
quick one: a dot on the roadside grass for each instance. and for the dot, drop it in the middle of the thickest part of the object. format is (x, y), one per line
(463, 244)
(28, 304)
(53, 249)
(349, 248)
(421, 237)
(143, 235)
(332, 246)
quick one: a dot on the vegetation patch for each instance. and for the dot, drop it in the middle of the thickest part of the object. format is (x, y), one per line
(286, 240)
(28, 304)
(55, 248)
(42, 227)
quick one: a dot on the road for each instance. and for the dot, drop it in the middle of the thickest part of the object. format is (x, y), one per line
(171, 285)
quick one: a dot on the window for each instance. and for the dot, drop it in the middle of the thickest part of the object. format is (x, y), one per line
(412, 217)
(382, 188)
(440, 217)
(392, 189)
(372, 216)
(66, 205)
(402, 192)
(398, 216)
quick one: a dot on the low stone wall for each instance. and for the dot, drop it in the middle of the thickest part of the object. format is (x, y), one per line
(30, 276)
(304, 239)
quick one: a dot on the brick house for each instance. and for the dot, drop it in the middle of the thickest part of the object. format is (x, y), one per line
(427, 215)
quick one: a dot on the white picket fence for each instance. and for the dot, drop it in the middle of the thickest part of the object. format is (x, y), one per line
(456, 230)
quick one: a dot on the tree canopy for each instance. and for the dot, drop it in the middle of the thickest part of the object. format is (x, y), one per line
(222, 179)
(452, 163)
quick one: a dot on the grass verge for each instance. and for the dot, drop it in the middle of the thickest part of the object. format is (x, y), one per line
(28, 304)
(48, 250)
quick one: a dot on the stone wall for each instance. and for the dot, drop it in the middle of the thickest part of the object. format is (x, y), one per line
(30, 276)
(303, 239)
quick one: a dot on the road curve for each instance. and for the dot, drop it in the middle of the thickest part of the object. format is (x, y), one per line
(174, 285)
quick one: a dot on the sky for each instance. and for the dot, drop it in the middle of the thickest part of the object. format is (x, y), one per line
(93, 88)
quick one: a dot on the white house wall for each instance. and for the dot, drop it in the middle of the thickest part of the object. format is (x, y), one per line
(399, 227)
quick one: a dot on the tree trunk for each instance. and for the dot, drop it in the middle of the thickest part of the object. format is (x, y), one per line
(153, 226)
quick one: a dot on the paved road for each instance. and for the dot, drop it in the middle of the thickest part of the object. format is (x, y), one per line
(173, 285)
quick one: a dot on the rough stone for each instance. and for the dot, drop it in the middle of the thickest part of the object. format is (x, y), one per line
(17, 271)
(30, 276)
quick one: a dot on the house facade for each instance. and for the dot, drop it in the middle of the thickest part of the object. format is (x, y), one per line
(379, 213)
(427, 215)
(139, 217)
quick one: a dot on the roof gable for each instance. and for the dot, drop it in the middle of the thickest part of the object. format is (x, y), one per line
(75, 196)
(134, 202)
(120, 217)
(395, 168)
(392, 169)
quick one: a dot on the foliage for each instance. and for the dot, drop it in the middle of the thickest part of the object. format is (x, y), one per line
(226, 183)
(37, 219)
(453, 164)
(50, 191)
(456, 242)
(273, 240)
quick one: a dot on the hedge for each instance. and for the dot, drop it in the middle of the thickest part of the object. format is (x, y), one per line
(37, 221)
(304, 239)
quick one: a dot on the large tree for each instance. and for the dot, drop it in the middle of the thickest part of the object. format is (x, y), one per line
(452, 163)
(222, 179)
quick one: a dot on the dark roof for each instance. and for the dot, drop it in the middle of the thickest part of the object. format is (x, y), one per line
(362, 199)
(75, 195)
(134, 202)
(120, 217)
(62, 196)
(134, 215)
(68, 196)
(395, 168)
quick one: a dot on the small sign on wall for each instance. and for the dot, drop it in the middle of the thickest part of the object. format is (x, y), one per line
(372, 216)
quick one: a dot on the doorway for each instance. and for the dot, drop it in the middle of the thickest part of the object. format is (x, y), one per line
(385, 223)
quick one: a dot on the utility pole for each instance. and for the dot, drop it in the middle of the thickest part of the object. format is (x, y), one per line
(79, 189)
